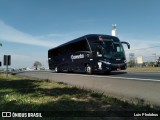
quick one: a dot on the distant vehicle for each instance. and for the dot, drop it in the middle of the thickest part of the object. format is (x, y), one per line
(90, 53)
(28, 69)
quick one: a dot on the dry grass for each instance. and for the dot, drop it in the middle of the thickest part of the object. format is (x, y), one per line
(150, 69)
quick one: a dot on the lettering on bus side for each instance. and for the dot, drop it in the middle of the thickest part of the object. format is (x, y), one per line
(73, 57)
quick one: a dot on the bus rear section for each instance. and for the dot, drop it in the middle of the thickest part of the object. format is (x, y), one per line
(70, 57)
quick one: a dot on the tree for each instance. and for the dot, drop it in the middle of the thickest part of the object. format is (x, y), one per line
(37, 64)
(0, 44)
(151, 64)
(131, 63)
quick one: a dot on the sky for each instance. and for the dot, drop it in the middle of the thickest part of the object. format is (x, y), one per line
(29, 28)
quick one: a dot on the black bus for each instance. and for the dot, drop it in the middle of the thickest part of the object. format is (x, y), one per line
(90, 53)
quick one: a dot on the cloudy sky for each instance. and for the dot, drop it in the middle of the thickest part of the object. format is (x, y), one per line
(28, 28)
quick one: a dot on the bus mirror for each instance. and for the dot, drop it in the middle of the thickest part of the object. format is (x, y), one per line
(126, 44)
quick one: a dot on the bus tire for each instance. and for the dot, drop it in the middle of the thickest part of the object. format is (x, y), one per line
(89, 69)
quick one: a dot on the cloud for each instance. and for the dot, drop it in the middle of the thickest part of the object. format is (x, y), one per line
(145, 47)
(11, 34)
(26, 60)
(8, 33)
(57, 38)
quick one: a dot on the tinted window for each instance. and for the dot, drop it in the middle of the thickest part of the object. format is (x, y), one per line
(77, 46)
(94, 42)
(70, 48)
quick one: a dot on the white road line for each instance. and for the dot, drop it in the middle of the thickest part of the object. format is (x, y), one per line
(138, 79)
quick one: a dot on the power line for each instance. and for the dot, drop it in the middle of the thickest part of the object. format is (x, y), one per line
(144, 48)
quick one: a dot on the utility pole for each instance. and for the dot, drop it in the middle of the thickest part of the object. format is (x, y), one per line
(0, 61)
(154, 56)
(7, 61)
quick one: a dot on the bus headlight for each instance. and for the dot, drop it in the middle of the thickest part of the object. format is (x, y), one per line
(108, 63)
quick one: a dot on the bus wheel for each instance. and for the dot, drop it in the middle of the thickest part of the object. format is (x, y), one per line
(88, 69)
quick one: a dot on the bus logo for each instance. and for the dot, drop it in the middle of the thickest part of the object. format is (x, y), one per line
(73, 57)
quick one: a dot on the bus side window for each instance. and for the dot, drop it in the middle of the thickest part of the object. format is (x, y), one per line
(118, 49)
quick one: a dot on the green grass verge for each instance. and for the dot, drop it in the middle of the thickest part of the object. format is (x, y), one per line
(149, 69)
(26, 94)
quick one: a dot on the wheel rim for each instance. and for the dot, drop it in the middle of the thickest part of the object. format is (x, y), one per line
(88, 69)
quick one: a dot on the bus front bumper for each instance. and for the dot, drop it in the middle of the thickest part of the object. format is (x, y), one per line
(114, 67)
(111, 67)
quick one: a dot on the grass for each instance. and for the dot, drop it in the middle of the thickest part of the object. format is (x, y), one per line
(148, 69)
(26, 94)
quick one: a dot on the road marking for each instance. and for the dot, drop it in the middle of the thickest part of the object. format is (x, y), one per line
(138, 79)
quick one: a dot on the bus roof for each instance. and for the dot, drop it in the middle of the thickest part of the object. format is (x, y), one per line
(80, 38)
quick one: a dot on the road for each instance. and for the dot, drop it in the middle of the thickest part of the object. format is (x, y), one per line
(127, 86)
(153, 76)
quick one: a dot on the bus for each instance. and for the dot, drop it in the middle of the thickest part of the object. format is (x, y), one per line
(89, 53)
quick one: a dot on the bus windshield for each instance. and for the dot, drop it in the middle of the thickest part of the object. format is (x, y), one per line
(112, 49)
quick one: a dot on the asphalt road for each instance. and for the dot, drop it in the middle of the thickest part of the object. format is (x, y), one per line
(137, 75)
(128, 86)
